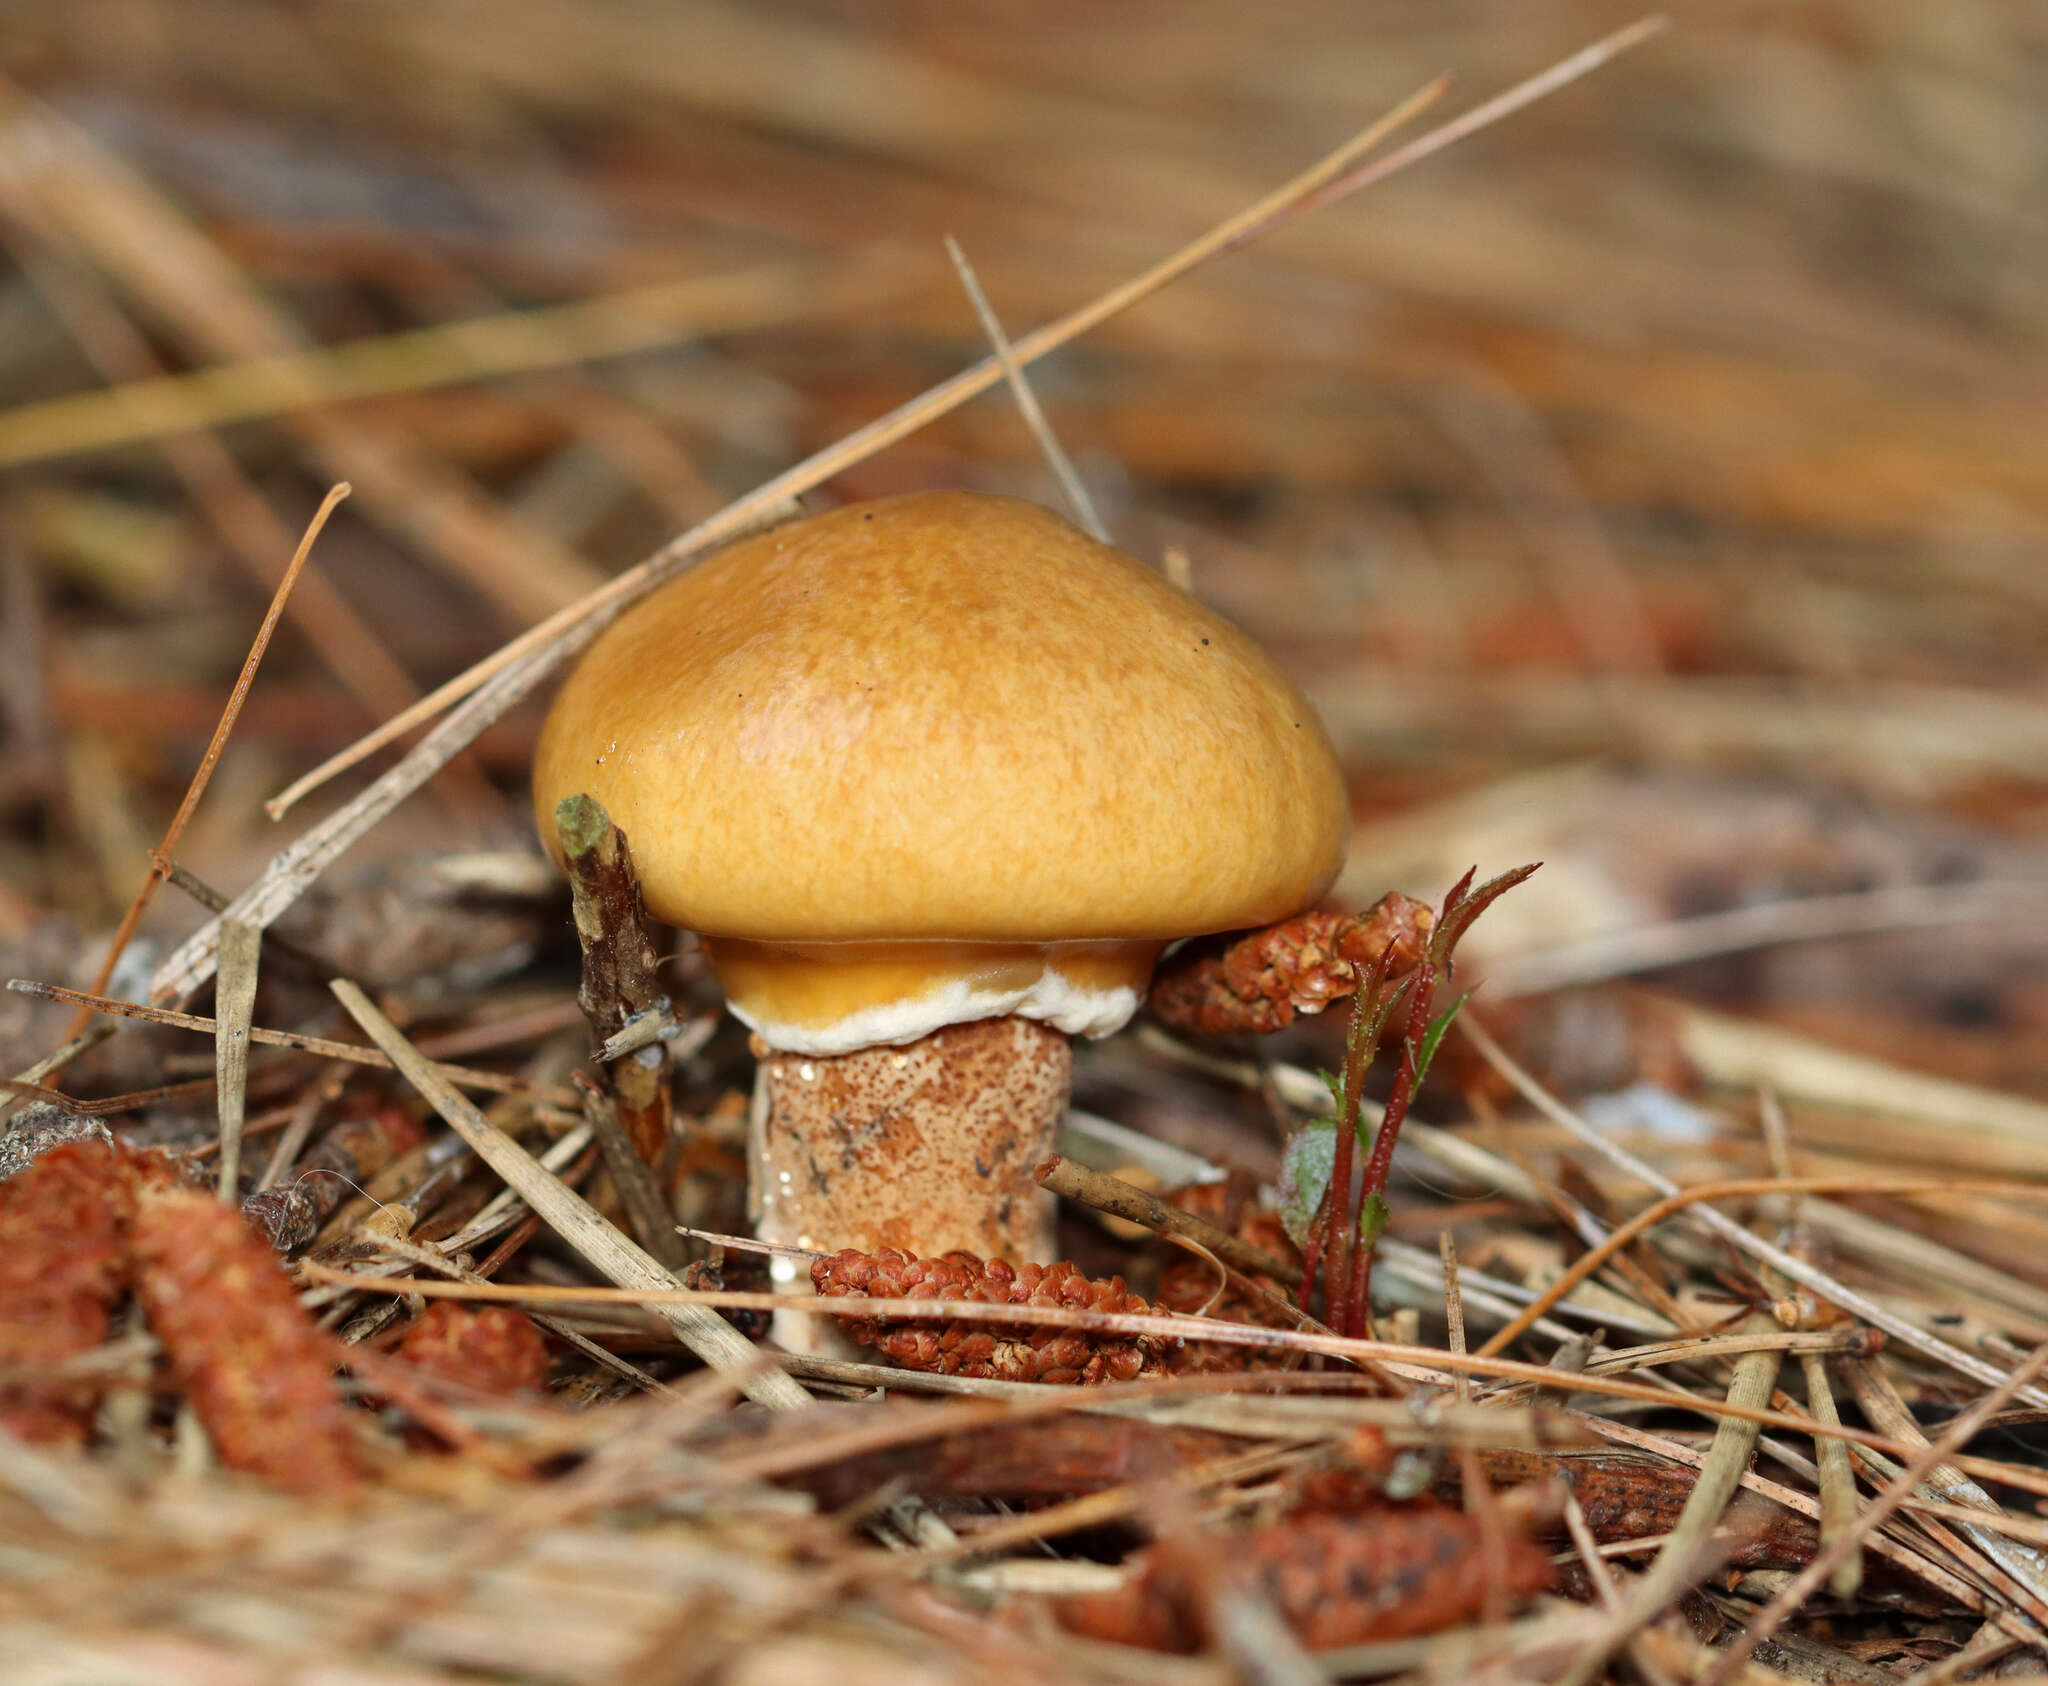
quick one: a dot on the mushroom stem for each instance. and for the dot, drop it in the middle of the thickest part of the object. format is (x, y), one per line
(929, 1146)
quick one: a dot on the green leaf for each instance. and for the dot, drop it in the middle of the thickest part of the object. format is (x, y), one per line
(1305, 1167)
(1372, 1218)
(1334, 1082)
(1435, 1034)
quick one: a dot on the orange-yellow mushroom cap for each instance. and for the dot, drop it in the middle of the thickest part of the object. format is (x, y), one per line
(937, 746)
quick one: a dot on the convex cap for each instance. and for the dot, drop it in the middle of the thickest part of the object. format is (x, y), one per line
(945, 718)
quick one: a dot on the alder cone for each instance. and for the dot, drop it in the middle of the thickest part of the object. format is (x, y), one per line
(259, 1375)
(1026, 1353)
(1391, 1572)
(1188, 1285)
(1260, 982)
(63, 1264)
(494, 1349)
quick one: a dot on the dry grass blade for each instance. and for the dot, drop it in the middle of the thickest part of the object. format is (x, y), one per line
(1430, 1366)
(1809, 1580)
(161, 859)
(1745, 1055)
(1684, 1555)
(1314, 187)
(1886, 1411)
(1935, 736)
(1924, 1565)
(241, 947)
(574, 1218)
(1837, 1477)
(1589, 1262)
(466, 1076)
(1560, 75)
(1857, 1305)
(80, 197)
(1056, 458)
(232, 504)
(1454, 1308)
(294, 869)
(1768, 924)
(478, 348)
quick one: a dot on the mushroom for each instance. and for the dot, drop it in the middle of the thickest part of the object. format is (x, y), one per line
(935, 779)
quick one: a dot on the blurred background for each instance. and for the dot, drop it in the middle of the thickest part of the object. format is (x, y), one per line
(1655, 484)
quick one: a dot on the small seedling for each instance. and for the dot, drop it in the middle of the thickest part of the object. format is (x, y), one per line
(1316, 1176)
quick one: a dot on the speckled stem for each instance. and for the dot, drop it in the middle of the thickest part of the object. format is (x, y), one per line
(929, 1147)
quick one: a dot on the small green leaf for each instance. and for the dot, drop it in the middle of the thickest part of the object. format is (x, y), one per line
(1435, 1034)
(1372, 1218)
(1334, 1082)
(1305, 1167)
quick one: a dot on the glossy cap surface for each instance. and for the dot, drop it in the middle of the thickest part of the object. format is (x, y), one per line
(945, 717)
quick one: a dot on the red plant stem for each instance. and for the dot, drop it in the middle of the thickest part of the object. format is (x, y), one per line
(1338, 1197)
(1312, 1246)
(1379, 1165)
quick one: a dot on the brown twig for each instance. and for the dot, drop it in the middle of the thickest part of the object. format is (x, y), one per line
(647, 1214)
(466, 1076)
(621, 981)
(1104, 1193)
